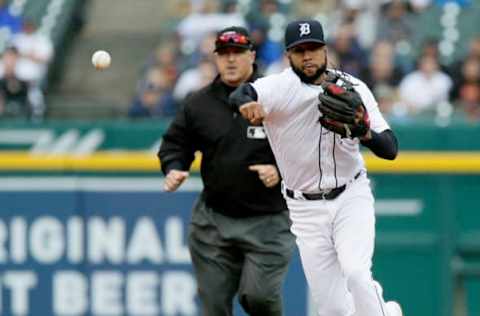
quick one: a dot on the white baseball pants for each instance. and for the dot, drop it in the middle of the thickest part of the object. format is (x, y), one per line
(336, 241)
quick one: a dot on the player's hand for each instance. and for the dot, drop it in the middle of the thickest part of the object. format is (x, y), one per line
(267, 173)
(253, 111)
(174, 179)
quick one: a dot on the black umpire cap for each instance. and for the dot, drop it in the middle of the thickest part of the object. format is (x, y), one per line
(234, 36)
(303, 31)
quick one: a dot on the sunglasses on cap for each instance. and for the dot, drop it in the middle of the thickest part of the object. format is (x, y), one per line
(232, 38)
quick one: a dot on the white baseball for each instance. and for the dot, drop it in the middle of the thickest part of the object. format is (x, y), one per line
(101, 59)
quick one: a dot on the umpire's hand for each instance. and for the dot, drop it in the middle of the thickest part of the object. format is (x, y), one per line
(174, 179)
(267, 173)
(252, 111)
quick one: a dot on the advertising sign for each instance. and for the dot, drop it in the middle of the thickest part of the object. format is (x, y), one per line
(112, 246)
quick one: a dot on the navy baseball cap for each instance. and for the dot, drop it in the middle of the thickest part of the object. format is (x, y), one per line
(234, 36)
(303, 31)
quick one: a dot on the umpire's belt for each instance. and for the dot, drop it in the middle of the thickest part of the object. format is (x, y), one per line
(325, 195)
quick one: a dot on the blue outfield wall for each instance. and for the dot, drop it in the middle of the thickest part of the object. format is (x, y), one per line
(116, 245)
(70, 247)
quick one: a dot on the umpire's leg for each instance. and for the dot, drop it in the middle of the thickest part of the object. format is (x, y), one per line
(217, 265)
(268, 245)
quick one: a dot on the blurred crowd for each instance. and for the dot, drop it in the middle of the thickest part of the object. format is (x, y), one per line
(375, 40)
(25, 56)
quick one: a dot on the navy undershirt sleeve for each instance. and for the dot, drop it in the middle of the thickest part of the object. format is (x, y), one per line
(383, 144)
(243, 94)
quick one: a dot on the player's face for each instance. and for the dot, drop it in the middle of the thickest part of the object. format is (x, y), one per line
(234, 64)
(308, 60)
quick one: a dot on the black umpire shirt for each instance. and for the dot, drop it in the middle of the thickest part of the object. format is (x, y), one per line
(229, 145)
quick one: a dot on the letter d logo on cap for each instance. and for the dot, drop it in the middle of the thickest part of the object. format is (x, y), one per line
(304, 29)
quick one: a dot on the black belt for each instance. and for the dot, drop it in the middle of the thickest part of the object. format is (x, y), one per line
(329, 195)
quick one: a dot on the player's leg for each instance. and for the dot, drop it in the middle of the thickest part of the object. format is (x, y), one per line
(354, 236)
(312, 225)
(392, 308)
(268, 245)
(216, 264)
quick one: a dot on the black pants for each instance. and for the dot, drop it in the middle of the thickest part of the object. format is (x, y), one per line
(244, 256)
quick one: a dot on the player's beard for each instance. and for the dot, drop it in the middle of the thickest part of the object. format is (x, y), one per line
(309, 79)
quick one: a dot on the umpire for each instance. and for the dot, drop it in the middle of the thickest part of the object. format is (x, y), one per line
(239, 238)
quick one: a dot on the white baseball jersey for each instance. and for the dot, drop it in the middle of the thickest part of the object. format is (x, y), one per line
(335, 237)
(310, 157)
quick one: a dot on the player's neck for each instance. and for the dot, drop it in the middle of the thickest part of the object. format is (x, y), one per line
(320, 79)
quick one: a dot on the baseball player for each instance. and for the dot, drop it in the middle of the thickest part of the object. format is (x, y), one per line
(316, 119)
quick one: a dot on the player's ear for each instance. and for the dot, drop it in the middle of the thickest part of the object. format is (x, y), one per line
(253, 55)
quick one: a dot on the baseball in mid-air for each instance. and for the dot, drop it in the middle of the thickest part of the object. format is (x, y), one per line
(101, 59)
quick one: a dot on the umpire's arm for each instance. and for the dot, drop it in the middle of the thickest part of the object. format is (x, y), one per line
(177, 151)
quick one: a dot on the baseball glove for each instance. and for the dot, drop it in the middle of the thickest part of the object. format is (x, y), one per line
(343, 111)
